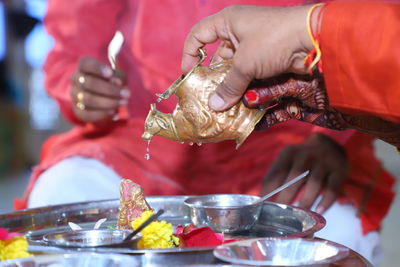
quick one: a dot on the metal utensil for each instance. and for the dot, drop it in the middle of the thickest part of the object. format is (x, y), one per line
(284, 186)
(282, 252)
(144, 224)
(230, 213)
(92, 238)
(278, 220)
(113, 49)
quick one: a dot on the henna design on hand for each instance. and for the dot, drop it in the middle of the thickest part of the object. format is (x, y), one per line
(292, 96)
(295, 110)
(304, 98)
(306, 89)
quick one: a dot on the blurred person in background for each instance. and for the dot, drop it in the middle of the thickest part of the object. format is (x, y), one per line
(347, 183)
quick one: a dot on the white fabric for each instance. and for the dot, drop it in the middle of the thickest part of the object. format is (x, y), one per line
(344, 227)
(79, 179)
(75, 179)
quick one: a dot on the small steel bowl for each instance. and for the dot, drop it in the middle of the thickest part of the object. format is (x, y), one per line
(92, 238)
(227, 213)
(282, 252)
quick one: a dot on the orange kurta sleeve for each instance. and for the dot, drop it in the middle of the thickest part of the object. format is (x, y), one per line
(361, 57)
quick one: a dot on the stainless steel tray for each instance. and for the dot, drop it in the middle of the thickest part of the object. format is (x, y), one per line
(276, 220)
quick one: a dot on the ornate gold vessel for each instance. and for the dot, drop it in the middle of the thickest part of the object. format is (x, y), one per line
(193, 120)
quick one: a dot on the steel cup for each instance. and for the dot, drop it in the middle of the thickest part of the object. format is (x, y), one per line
(227, 213)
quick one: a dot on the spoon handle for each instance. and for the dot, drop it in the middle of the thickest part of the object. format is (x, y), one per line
(279, 189)
(144, 224)
(114, 47)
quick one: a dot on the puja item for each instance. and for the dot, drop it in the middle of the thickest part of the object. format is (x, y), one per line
(158, 234)
(134, 211)
(231, 213)
(275, 220)
(93, 238)
(193, 120)
(132, 203)
(76, 227)
(282, 252)
(144, 224)
(12, 245)
(191, 236)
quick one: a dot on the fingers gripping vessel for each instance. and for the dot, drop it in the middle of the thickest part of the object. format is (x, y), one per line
(193, 120)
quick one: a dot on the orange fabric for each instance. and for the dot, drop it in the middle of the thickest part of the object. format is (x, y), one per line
(154, 32)
(361, 59)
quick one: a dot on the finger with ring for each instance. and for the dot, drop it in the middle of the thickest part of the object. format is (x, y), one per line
(80, 96)
(79, 103)
(80, 106)
(81, 79)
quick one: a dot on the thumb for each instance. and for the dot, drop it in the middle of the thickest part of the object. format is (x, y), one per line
(231, 90)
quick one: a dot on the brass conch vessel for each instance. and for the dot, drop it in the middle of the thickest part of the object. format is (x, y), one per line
(192, 120)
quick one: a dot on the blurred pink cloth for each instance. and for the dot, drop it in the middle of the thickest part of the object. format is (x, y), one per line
(155, 32)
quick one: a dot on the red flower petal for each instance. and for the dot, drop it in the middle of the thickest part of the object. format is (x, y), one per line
(179, 229)
(3, 234)
(201, 237)
(12, 235)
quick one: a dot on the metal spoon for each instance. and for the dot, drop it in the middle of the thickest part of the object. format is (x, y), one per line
(113, 49)
(144, 224)
(284, 186)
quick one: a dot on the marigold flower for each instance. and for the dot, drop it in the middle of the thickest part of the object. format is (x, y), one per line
(158, 234)
(16, 247)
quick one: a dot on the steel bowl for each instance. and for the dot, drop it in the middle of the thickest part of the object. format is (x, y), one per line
(282, 252)
(227, 213)
(92, 238)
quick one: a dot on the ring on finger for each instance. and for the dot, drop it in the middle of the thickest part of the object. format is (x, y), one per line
(80, 95)
(79, 103)
(80, 106)
(81, 79)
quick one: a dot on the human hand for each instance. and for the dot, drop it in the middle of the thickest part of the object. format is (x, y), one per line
(263, 42)
(97, 92)
(328, 165)
(290, 96)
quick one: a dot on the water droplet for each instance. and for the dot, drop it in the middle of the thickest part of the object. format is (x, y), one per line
(199, 143)
(182, 143)
(190, 143)
(147, 155)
